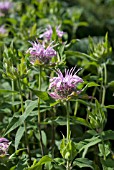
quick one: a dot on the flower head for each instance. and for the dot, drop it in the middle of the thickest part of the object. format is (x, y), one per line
(64, 86)
(5, 6)
(47, 34)
(4, 145)
(41, 53)
(59, 33)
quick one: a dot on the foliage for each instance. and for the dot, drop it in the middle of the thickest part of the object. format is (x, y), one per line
(75, 132)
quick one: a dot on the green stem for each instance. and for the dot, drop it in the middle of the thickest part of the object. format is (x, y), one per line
(13, 107)
(103, 101)
(53, 133)
(104, 156)
(100, 74)
(105, 82)
(39, 119)
(68, 122)
(68, 131)
(25, 126)
(76, 108)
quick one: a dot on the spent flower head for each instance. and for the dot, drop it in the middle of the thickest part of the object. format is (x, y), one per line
(47, 34)
(4, 145)
(40, 53)
(63, 86)
(5, 6)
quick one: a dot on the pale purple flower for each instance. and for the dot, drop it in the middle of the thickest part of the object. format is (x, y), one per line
(5, 6)
(4, 145)
(41, 53)
(63, 86)
(2, 30)
(59, 32)
(49, 51)
(47, 34)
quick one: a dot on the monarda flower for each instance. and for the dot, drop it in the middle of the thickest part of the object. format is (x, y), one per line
(64, 86)
(2, 30)
(4, 145)
(47, 34)
(41, 54)
(59, 33)
(5, 6)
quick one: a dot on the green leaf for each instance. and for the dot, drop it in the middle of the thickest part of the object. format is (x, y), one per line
(35, 167)
(45, 159)
(44, 138)
(20, 121)
(45, 97)
(60, 120)
(3, 166)
(91, 84)
(104, 149)
(18, 136)
(108, 135)
(108, 163)
(87, 143)
(81, 121)
(83, 162)
(8, 91)
(110, 106)
(12, 21)
(15, 103)
(80, 55)
(38, 166)
(111, 83)
(41, 94)
(33, 30)
(17, 152)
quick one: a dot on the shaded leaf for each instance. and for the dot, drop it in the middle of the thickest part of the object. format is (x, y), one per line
(18, 136)
(108, 163)
(83, 162)
(108, 135)
(20, 121)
